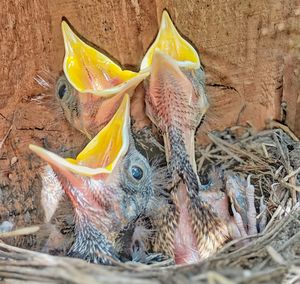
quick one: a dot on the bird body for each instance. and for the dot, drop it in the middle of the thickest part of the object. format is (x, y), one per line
(109, 185)
(176, 102)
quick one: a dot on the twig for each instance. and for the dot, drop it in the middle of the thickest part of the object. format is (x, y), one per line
(282, 154)
(5, 136)
(219, 142)
(20, 232)
(204, 156)
(290, 186)
(291, 174)
(275, 124)
(214, 278)
(8, 131)
(275, 255)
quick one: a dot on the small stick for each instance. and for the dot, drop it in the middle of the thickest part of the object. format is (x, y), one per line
(293, 173)
(265, 150)
(219, 141)
(204, 156)
(214, 278)
(8, 131)
(291, 186)
(293, 181)
(282, 154)
(275, 255)
(275, 124)
(5, 136)
(20, 232)
(222, 145)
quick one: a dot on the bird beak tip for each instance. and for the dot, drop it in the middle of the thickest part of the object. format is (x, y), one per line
(33, 147)
(70, 38)
(166, 22)
(51, 158)
(172, 43)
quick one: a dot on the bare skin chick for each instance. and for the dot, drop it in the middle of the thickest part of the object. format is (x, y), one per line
(109, 185)
(91, 124)
(93, 86)
(238, 195)
(89, 92)
(190, 230)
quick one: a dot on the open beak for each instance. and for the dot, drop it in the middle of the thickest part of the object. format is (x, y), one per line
(170, 42)
(102, 153)
(90, 71)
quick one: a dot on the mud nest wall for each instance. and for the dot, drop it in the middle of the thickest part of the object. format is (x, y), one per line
(248, 48)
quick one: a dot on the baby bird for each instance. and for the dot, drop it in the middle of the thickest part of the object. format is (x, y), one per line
(109, 185)
(176, 102)
(93, 86)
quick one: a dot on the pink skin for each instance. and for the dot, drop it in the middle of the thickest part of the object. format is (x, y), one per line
(185, 243)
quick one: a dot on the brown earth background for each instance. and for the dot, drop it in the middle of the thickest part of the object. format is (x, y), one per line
(248, 48)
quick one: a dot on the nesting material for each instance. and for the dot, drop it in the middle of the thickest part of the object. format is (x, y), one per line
(271, 158)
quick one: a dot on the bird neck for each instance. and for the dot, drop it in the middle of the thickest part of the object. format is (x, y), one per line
(91, 245)
(181, 162)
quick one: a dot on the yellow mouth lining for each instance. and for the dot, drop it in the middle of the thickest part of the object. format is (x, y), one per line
(90, 71)
(169, 41)
(103, 152)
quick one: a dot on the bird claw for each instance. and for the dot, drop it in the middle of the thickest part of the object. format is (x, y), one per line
(140, 254)
(149, 258)
(241, 196)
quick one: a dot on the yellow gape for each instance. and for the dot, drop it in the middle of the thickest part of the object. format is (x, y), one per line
(170, 42)
(90, 71)
(102, 153)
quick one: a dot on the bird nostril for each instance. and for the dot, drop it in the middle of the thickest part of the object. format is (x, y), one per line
(137, 172)
(62, 91)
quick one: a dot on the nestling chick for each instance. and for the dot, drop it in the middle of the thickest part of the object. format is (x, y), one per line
(109, 185)
(93, 86)
(238, 195)
(176, 102)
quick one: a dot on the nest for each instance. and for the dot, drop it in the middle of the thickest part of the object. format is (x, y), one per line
(271, 158)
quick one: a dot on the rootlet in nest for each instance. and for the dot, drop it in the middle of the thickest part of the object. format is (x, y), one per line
(129, 209)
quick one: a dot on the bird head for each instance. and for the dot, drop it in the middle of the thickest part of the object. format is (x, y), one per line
(93, 85)
(109, 183)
